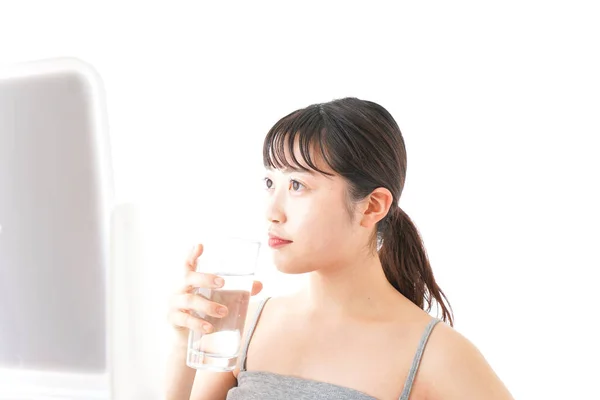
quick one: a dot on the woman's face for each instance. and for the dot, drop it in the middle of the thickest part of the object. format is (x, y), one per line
(311, 212)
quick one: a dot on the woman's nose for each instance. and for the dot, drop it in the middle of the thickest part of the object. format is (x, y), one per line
(275, 211)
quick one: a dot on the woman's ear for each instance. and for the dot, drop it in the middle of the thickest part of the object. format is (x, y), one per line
(375, 207)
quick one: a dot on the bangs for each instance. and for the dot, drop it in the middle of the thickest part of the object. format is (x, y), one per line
(296, 141)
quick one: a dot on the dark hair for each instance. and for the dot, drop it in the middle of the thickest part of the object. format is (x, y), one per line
(361, 141)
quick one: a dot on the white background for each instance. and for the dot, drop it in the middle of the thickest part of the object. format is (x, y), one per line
(498, 102)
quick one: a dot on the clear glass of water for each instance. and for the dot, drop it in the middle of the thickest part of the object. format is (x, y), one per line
(235, 261)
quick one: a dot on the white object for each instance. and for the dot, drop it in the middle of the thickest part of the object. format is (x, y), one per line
(56, 196)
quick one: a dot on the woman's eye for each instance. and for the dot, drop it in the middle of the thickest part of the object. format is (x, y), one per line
(296, 186)
(268, 183)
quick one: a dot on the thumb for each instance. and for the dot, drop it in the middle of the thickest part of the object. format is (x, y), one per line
(257, 286)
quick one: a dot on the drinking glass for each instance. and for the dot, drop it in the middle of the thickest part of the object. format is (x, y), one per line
(234, 260)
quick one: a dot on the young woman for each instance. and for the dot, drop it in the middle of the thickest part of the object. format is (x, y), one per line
(360, 329)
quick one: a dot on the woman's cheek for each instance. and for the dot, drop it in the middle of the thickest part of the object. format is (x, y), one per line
(303, 217)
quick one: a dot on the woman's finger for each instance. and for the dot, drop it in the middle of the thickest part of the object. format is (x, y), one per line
(199, 304)
(192, 260)
(182, 319)
(203, 280)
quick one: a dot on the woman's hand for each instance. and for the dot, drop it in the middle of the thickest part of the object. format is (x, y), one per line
(185, 303)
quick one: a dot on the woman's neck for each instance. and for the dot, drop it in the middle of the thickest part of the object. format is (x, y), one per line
(358, 289)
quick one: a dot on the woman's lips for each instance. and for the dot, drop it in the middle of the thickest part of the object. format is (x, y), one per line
(276, 242)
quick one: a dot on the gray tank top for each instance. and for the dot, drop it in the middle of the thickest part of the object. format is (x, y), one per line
(259, 385)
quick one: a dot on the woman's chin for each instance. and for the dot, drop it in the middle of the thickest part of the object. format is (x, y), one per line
(290, 270)
(288, 265)
(288, 261)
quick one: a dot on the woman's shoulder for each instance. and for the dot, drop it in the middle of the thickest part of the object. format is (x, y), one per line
(458, 367)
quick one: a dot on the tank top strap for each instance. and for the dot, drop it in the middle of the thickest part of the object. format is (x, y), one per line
(251, 329)
(417, 359)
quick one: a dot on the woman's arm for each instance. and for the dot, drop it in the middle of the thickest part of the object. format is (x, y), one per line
(180, 377)
(210, 385)
(186, 383)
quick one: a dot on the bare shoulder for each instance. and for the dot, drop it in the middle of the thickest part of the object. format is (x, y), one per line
(458, 369)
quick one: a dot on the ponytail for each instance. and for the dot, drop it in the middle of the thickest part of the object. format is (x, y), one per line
(406, 265)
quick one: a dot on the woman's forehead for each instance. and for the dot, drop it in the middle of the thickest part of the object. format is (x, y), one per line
(297, 162)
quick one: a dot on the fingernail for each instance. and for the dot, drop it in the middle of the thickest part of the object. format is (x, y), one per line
(222, 311)
(219, 281)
